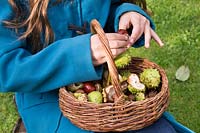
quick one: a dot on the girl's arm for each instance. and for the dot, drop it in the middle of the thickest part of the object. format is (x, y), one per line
(64, 62)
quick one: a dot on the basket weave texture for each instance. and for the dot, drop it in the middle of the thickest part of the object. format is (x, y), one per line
(121, 115)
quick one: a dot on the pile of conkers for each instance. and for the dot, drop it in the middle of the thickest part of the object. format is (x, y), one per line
(134, 88)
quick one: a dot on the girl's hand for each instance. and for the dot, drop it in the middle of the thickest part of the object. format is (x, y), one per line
(118, 44)
(140, 25)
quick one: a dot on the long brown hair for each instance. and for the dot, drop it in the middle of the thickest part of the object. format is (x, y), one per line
(37, 22)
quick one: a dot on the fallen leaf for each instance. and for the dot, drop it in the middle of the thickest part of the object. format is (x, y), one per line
(183, 73)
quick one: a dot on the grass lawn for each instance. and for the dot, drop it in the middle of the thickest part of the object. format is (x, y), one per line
(177, 24)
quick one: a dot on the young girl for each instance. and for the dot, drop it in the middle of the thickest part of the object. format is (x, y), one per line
(47, 44)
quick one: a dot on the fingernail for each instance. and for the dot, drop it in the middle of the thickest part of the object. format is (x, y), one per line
(128, 46)
(146, 46)
(162, 44)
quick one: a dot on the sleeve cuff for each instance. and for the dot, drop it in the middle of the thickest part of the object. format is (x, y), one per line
(85, 61)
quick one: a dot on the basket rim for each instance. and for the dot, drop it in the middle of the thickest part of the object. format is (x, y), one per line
(157, 96)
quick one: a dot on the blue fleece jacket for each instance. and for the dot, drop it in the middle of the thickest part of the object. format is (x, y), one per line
(36, 77)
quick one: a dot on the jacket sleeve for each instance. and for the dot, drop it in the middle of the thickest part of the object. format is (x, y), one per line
(64, 62)
(117, 9)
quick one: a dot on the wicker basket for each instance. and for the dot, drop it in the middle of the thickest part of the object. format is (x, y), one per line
(121, 115)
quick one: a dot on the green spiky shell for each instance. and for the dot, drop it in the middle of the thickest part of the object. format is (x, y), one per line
(134, 90)
(95, 97)
(139, 96)
(125, 74)
(80, 96)
(150, 77)
(124, 59)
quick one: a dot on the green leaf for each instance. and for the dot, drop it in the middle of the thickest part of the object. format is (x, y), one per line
(183, 73)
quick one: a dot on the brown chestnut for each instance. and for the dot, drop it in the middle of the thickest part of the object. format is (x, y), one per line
(88, 87)
(122, 31)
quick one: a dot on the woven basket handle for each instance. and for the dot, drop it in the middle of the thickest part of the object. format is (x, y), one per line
(96, 29)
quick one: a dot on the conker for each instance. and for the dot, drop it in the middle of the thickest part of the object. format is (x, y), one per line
(88, 87)
(122, 31)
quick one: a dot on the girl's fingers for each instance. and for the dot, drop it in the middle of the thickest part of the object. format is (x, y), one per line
(138, 28)
(140, 25)
(117, 40)
(103, 58)
(123, 23)
(156, 38)
(117, 52)
(116, 36)
(118, 44)
(136, 33)
(147, 33)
